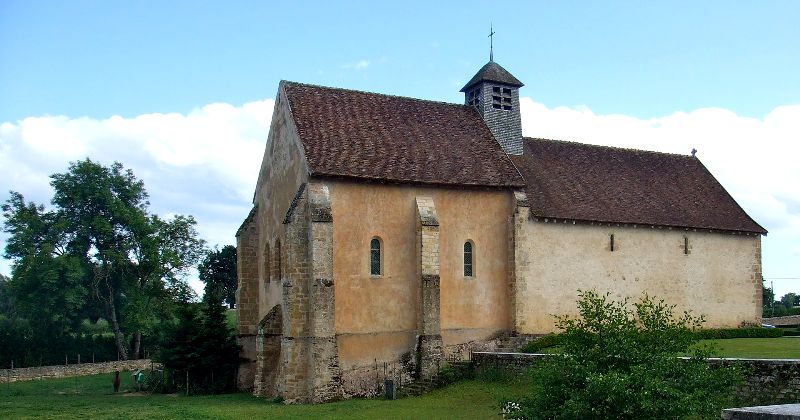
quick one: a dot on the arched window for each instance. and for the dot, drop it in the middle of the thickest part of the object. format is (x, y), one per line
(468, 259)
(375, 257)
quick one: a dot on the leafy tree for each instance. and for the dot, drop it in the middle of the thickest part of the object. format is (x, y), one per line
(790, 300)
(218, 272)
(621, 362)
(99, 248)
(47, 281)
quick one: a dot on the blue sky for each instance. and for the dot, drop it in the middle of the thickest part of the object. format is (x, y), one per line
(133, 81)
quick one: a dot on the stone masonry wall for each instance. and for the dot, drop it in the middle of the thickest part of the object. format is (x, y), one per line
(68, 371)
(719, 277)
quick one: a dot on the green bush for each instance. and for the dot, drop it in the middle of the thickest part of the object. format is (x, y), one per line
(726, 333)
(620, 361)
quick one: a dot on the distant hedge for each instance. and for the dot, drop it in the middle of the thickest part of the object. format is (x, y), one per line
(551, 340)
(751, 332)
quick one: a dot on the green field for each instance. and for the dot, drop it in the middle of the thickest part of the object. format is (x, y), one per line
(757, 348)
(92, 396)
(753, 348)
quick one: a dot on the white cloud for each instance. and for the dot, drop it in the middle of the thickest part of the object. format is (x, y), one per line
(358, 65)
(203, 163)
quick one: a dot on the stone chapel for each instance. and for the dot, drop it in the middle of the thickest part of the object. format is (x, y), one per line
(399, 230)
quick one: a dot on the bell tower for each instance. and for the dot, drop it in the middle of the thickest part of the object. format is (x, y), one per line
(494, 93)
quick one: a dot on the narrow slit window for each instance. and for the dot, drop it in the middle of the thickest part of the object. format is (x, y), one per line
(685, 245)
(468, 259)
(266, 269)
(611, 239)
(375, 257)
(278, 268)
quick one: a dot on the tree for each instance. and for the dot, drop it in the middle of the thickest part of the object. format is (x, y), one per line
(218, 272)
(621, 362)
(790, 300)
(6, 300)
(767, 300)
(204, 346)
(99, 246)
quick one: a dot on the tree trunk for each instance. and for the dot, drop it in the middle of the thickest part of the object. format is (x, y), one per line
(118, 336)
(137, 344)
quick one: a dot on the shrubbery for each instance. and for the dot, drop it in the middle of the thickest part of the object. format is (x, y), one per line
(620, 361)
(725, 333)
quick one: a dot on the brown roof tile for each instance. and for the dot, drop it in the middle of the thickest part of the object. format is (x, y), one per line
(597, 183)
(363, 135)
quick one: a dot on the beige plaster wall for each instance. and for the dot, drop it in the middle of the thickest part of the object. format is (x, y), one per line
(379, 316)
(283, 170)
(720, 277)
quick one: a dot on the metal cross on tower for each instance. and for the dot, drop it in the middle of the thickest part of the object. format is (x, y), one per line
(491, 43)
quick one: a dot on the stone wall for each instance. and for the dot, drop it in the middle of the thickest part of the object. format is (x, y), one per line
(783, 321)
(378, 317)
(67, 371)
(768, 382)
(719, 276)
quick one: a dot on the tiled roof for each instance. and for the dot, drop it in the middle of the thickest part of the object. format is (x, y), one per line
(493, 72)
(354, 134)
(597, 183)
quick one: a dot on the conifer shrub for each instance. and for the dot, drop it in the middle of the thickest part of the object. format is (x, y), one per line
(199, 351)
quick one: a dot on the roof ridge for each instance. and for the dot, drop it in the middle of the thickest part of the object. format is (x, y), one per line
(289, 82)
(626, 149)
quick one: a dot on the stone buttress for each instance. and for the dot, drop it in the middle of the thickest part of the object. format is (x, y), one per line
(310, 368)
(247, 297)
(517, 238)
(429, 343)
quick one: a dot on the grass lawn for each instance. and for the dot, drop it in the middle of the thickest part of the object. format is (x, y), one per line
(753, 348)
(758, 348)
(92, 396)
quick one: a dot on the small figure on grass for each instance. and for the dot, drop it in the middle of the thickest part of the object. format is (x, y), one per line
(115, 381)
(138, 379)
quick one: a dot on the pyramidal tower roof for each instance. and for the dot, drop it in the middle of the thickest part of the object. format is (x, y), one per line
(492, 72)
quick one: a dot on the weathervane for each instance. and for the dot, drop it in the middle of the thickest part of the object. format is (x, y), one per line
(491, 42)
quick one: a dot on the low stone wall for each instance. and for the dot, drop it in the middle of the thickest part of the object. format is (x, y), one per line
(66, 371)
(770, 381)
(783, 321)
